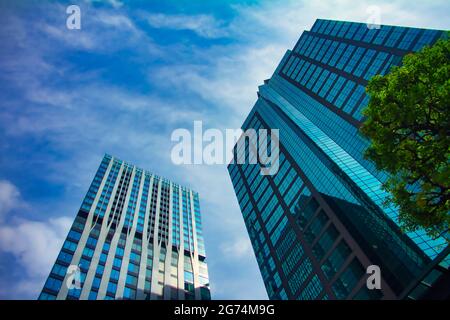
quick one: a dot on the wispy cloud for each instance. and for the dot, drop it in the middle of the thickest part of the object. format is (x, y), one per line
(238, 248)
(114, 3)
(35, 245)
(228, 77)
(9, 198)
(203, 25)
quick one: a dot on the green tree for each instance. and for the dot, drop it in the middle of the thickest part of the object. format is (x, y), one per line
(408, 124)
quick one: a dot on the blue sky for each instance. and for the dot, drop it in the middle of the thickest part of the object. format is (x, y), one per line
(135, 72)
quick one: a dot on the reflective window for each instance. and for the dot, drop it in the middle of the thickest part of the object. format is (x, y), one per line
(343, 286)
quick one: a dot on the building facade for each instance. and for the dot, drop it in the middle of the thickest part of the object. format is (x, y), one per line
(136, 236)
(319, 221)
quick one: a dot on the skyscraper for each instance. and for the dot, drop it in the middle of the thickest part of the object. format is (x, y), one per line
(319, 222)
(136, 236)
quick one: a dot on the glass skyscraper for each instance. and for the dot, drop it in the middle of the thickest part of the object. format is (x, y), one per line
(136, 236)
(319, 222)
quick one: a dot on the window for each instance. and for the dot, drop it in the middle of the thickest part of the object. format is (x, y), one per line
(75, 235)
(135, 257)
(335, 89)
(299, 276)
(349, 278)
(119, 252)
(103, 258)
(288, 64)
(65, 257)
(336, 56)
(96, 282)
(323, 26)
(283, 295)
(381, 35)
(133, 268)
(394, 36)
(112, 287)
(74, 293)
(115, 274)
(328, 83)
(189, 286)
(53, 284)
(131, 280)
(354, 59)
(344, 93)
(137, 246)
(271, 222)
(279, 230)
(129, 293)
(59, 270)
(409, 37)
(204, 293)
(345, 56)
(47, 296)
(294, 255)
(188, 276)
(432, 277)
(376, 65)
(117, 262)
(92, 242)
(360, 32)
(312, 289)
(203, 280)
(354, 98)
(84, 263)
(426, 38)
(69, 245)
(334, 262)
(370, 34)
(315, 227)
(106, 246)
(100, 269)
(351, 31)
(368, 56)
(366, 294)
(305, 209)
(325, 242)
(316, 25)
(92, 295)
(88, 252)
(293, 66)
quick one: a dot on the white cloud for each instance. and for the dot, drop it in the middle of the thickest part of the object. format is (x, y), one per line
(237, 248)
(9, 198)
(114, 3)
(203, 25)
(117, 21)
(34, 245)
(76, 39)
(228, 79)
(103, 30)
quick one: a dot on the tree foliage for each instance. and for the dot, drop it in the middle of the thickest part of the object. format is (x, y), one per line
(408, 124)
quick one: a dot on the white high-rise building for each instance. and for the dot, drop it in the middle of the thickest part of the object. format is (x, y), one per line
(136, 236)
